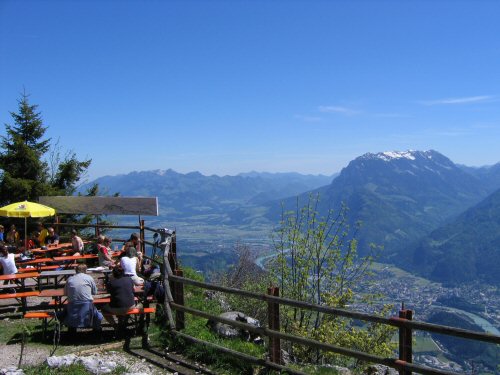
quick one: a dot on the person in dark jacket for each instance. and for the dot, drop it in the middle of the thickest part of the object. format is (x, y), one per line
(121, 291)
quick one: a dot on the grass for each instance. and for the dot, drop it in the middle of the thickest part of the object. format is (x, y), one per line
(11, 330)
(197, 327)
(74, 369)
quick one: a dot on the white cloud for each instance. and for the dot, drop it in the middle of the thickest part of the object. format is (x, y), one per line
(308, 118)
(464, 100)
(337, 109)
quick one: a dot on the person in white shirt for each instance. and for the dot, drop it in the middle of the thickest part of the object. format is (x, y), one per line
(131, 265)
(8, 264)
(7, 261)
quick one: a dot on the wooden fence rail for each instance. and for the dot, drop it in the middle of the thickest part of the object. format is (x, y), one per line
(404, 322)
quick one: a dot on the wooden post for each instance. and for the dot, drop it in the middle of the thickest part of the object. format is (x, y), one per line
(167, 271)
(405, 340)
(57, 222)
(179, 299)
(96, 229)
(141, 236)
(172, 254)
(273, 316)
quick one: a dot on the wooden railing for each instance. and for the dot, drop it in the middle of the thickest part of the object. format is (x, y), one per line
(140, 228)
(403, 322)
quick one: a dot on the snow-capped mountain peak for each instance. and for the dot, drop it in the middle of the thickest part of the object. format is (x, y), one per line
(391, 155)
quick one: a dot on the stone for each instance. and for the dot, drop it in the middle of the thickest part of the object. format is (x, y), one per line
(228, 331)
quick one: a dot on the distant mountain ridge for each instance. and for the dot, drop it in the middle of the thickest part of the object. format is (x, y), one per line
(184, 195)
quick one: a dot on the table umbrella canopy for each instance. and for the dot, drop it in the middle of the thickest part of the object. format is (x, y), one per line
(26, 209)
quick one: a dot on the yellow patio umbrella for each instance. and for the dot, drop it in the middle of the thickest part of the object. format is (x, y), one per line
(26, 209)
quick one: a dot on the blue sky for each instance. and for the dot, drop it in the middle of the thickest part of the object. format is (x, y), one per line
(224, 87)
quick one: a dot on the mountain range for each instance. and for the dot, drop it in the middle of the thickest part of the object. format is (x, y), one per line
(409, 202)
(183, 196)
(399, 197)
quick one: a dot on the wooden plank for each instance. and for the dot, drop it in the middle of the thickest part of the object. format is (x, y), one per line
(19, 276)
(103, 205)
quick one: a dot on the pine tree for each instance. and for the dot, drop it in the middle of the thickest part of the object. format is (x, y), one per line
(24, 171)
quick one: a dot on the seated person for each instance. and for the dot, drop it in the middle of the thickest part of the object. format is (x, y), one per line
(121, 292)
(43, 233)
(134, 242)
(8, 263)
(104, 251)
(52, 238)
(131, 264)
(76, 243)
(2, 230)
(33, 242)
(80, 310)
(12, 236)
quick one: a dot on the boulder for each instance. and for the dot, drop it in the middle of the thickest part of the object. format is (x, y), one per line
(228, 331)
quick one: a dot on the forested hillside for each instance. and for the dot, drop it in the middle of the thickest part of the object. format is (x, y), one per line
(466, 249)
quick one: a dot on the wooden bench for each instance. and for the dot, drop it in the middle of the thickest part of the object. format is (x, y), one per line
(41, 268)
(39, 315)
(20, 297)
(45, 315)
(134, 311)
(97, 301)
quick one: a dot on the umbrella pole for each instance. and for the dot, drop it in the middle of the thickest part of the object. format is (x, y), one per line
(25, 233)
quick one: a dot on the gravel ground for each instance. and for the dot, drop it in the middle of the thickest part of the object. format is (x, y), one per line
(32, 355)
(36, 355)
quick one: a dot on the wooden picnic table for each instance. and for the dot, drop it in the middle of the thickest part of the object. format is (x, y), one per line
(58, 295)
(20, 297)
(33, 261)
(52, 248)
(38, 263)
(20, 280)
(20, 276)
(58, 275)
(73, 257)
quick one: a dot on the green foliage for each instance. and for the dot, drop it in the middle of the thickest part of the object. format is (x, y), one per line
(246, 275)
(317, 262)
(197, 327)
(25, 171)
